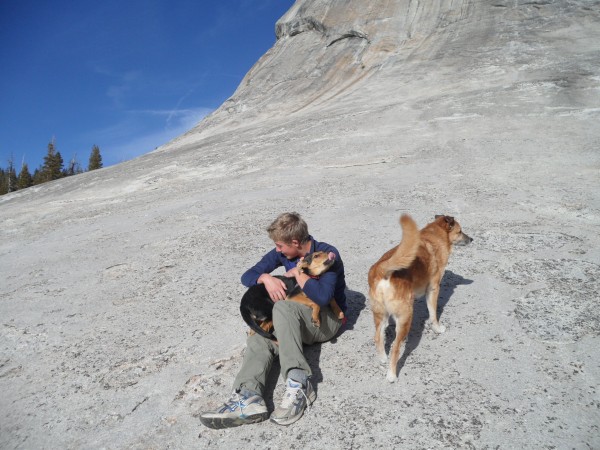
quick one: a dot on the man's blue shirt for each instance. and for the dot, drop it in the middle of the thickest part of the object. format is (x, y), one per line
(330, 285)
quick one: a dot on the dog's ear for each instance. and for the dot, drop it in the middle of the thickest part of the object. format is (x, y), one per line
(448, 221)
(304, 262)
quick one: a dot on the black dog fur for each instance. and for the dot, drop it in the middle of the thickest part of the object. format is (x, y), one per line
(256, 305)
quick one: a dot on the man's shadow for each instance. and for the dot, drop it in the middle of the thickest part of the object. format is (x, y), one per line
(420, 315)
(355, 302)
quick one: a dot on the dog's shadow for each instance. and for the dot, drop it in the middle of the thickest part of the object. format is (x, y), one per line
(355, 302)
(420, 315)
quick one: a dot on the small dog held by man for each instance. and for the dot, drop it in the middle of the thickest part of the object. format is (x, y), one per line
(257, 307)
(410, 270)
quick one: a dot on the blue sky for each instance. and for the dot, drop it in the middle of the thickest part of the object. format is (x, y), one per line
(126, 75)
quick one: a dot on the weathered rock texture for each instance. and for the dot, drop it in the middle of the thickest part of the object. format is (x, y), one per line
(120, 287)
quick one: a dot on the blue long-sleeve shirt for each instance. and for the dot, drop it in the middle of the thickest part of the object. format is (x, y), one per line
(329, 285)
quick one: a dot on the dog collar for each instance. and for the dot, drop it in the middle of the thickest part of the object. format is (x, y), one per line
(314, 277)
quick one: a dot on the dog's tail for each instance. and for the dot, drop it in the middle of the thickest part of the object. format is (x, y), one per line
(406, 252)
(247, 316)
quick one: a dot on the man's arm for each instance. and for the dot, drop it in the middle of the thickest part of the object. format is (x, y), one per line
(267, 264)
(320, 290)
(260, 273)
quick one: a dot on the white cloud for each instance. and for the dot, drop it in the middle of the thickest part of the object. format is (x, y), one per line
(145, 138)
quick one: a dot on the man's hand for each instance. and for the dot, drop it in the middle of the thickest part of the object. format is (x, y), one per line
(300, 277)
(275, 287)
(292, 273)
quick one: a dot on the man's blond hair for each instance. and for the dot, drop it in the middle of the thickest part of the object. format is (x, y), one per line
(288, 227)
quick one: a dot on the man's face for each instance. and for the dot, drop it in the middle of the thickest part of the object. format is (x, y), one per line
(289, 250)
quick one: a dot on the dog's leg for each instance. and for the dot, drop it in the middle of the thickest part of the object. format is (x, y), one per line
(335, 308)
(267, 325)
(316, 310)
(381, 320)
(432, 298)
(403, 322)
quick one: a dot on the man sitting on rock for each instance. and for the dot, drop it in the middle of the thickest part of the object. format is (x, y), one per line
(293, 328)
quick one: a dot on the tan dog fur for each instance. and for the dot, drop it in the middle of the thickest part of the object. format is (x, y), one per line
(410, 270)
(314, 265)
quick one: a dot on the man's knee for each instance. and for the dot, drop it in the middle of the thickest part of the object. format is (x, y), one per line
(258, 343)
(285, 310)
(282, 306)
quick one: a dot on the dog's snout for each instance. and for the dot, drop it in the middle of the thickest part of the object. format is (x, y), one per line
(462, 239)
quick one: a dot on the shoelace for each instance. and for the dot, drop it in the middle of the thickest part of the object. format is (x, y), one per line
(291, 393)
(236, 400)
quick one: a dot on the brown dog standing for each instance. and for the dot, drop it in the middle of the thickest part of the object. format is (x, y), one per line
(408, 271)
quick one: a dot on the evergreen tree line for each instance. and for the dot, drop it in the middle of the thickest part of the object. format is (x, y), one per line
(52, 169)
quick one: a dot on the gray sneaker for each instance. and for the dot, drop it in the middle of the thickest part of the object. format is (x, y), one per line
(295, 400)
(239, 410)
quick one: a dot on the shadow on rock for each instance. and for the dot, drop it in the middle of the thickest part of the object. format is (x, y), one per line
(356, 302)
(271, 384)
(420, 315)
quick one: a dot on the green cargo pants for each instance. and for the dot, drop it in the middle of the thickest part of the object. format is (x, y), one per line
(294, 327)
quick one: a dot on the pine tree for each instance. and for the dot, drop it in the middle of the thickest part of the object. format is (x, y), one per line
(11, 177)
(73, 168)
(58, 168)
(39, 176)
(95, 159)
(53, 163)
(48, 162)
(25, 179)
(3, 182)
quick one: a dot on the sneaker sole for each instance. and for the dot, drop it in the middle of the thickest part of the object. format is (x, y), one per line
(286, 422)
(218, 423)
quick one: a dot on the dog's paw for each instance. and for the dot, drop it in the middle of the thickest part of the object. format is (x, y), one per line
(438, 328)
(391, 377)
(316, 323)
(382, 359)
